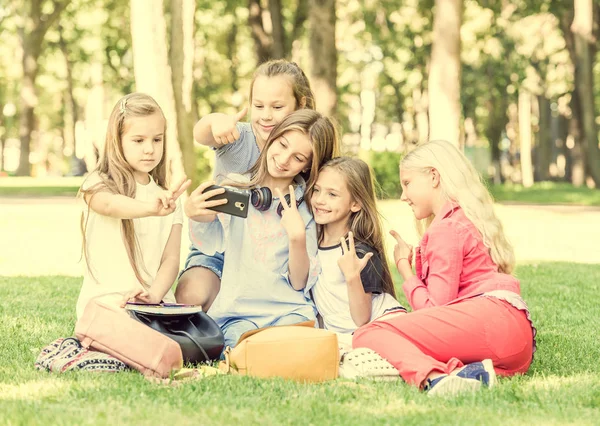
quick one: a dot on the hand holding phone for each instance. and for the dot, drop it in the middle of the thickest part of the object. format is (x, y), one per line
(197, 207)
(236, 203)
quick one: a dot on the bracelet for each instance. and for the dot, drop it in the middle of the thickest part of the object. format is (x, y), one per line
(398, 261)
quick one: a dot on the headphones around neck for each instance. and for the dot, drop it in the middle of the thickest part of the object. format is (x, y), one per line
(261, 199)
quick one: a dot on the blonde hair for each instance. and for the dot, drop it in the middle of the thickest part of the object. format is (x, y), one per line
(117, 175)
(323, 137)
(462, 184)
(365, 224)
(300, 84)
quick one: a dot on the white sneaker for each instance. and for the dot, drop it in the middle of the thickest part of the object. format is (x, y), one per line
(363, 362)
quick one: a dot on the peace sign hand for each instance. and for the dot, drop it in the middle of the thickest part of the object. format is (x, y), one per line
(224, 128)
(350, 264)
(165, 202)
(290, 216)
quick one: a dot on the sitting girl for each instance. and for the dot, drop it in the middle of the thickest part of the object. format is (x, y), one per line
(270, 263)
(355, 285)
(131, 226)
(469, 320)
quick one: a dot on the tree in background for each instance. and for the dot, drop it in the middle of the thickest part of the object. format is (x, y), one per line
(33, 25)
(151, 66)
(323, 55)
(181, 56)
(584, 82)
(444, 72)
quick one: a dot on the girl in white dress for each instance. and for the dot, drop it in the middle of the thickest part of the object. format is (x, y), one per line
(131, 224)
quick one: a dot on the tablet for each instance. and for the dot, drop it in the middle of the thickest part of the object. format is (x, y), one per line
(163, 308)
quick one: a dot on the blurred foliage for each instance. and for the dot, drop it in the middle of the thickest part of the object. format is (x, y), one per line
(387, 173)
(383, 51)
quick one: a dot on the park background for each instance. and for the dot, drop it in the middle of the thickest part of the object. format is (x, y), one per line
(514, 84)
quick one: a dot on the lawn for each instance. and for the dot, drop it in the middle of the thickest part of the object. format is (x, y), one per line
(562, 386)
(539, 193)
(39, 187)
(546, 193)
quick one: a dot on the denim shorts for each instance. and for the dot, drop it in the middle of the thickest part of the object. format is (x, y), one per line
(197, 258)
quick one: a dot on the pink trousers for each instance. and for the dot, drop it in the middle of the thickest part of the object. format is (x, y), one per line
(444, 338)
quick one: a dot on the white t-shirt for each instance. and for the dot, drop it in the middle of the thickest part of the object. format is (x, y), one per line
(113, 275)
(331, 291)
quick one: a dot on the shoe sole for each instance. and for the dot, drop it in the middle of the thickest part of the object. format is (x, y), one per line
(488, 365)
(454, 385)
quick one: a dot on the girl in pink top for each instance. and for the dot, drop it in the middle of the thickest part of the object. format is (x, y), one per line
(469, 320)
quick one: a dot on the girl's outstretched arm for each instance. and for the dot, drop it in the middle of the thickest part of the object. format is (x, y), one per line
(124, 207)
(217, 129)
(352, 266)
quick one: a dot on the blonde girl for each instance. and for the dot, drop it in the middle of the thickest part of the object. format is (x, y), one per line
(131, 224)
(355, 284)
(270, 263)
(469, 320)
(278, 88)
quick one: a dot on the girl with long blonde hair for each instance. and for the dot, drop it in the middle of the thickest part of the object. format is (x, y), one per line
(476, 324)
(131, 224)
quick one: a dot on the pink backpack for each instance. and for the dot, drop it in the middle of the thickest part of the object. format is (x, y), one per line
(111, 330)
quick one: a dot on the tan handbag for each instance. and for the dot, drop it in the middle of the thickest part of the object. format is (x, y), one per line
(111, 330)
(298, 352)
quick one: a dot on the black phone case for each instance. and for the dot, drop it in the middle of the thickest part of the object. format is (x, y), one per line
(237, 201)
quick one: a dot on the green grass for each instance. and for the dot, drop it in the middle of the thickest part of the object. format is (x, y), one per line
(562, 386)
(39, 187)
(546, 193)
(539, 193)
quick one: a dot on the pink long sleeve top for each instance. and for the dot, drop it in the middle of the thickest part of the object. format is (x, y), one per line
(452, 263)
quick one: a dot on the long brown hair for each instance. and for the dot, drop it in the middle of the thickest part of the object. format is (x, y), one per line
(365, 224)
(117, 175)
(300, 85)
(320, 131)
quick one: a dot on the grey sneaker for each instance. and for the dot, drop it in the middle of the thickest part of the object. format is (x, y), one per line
(363, 362)
(469, 378)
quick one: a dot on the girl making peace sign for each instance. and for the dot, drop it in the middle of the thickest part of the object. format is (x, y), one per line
(270, 263)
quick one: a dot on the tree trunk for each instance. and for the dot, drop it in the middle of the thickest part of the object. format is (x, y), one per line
(444, 72)
(543, 150)
(525, 138)
(299, 19)
(278, 33)
(323, 55)
(497, 120)
(262, 41)
(575, 159)
(32, 37)
(576, 150)
(72, 115)
(182, 61)
(584, 83)
(151, 68)
(2, 135)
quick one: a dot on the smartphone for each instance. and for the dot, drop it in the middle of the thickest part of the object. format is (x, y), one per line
(237, 201)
